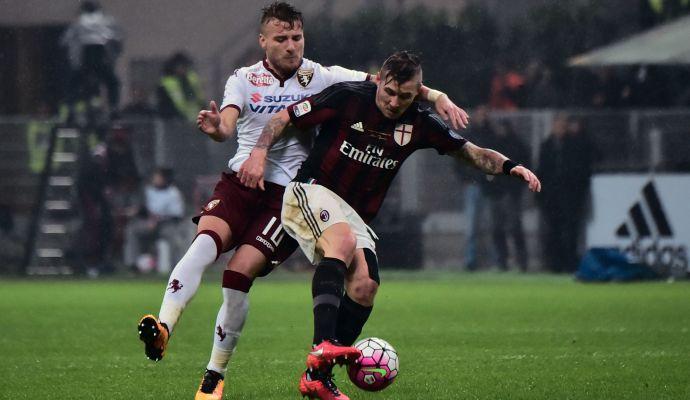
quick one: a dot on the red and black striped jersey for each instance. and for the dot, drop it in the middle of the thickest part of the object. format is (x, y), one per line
(358, 151)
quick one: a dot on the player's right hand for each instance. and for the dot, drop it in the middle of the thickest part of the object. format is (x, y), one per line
(208, 121)
(251, 172)
(528, 176)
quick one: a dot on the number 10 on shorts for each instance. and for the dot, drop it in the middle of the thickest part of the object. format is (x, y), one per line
(278, 232)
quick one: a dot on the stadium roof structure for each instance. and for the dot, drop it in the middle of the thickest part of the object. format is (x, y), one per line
(668, 44)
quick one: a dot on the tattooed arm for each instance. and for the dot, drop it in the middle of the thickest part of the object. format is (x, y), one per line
(491, 162)
(486, 160)
(273, 130)
(251, 172)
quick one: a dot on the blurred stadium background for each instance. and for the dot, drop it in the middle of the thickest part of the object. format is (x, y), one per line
(614, 75)
(520, 61)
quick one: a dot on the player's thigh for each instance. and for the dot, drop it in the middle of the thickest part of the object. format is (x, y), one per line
(263, 245)
(248, 261)
(338, 241)
(362, 279)
(309, 211)
(229, 210)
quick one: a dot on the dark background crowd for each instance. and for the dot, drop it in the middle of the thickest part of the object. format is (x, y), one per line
(516, 64)
(486, 64)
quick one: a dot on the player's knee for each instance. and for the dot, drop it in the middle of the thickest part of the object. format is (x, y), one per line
(345, 245)
(349, 243)
(363, 291)
(218, 226)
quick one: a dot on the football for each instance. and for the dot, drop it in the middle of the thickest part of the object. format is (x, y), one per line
(377, 367)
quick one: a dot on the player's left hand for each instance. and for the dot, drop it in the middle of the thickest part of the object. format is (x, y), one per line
(532, 181)
(456, 116)
(251, 173)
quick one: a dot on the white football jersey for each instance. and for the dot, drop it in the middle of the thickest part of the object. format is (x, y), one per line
(257, 93)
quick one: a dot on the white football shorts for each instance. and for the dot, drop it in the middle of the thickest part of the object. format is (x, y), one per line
(309, 209)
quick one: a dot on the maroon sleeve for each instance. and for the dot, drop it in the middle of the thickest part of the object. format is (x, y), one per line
(319, 108)
(439, 136)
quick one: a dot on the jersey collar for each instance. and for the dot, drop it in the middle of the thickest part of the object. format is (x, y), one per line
(277, 75)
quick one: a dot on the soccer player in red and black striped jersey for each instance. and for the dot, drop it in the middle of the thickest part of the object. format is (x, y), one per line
(367, 130)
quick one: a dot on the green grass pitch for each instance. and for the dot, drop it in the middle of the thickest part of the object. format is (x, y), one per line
(459, 336)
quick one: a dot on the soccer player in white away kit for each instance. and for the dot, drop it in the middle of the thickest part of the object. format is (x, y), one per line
(248, 220)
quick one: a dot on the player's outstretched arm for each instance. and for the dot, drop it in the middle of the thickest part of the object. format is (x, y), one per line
(219, 126)
(251, 172)
(494, 163)
(450, 112)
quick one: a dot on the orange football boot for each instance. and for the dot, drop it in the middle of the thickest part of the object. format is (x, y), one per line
(320, 385)
(154, 335)
(211, 387)
(327, 353)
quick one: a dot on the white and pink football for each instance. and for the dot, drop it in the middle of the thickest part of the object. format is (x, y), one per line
(377, 367)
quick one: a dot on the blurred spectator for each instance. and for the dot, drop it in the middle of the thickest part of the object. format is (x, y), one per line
(93, 42)
(122, 183)
(126, 201)
(93, 242)
(103, 185)
(179, 91)
(653, 12)
(38, 132)
(607, 89)
(505, 197)
(164, 207)
(472, 191)
(683, 97)
(540, 88)
(121, 165)
(565, 168)
(507, 89)
(140, 106)
(648, 87)
(11, 247)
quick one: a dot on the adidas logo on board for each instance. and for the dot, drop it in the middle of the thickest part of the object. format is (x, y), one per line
(646, 217)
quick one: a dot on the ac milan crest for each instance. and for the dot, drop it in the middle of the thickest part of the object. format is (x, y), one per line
(402, 134)
(304, 76)
(324, 215)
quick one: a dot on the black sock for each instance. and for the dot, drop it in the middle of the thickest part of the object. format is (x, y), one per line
(351, 319)
(327, 290)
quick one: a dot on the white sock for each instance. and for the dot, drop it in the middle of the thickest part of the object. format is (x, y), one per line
(185, 278)
(229, 323)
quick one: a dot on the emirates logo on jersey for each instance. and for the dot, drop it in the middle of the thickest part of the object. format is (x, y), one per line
(304, 76)
(372, 155)
(260, 79)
